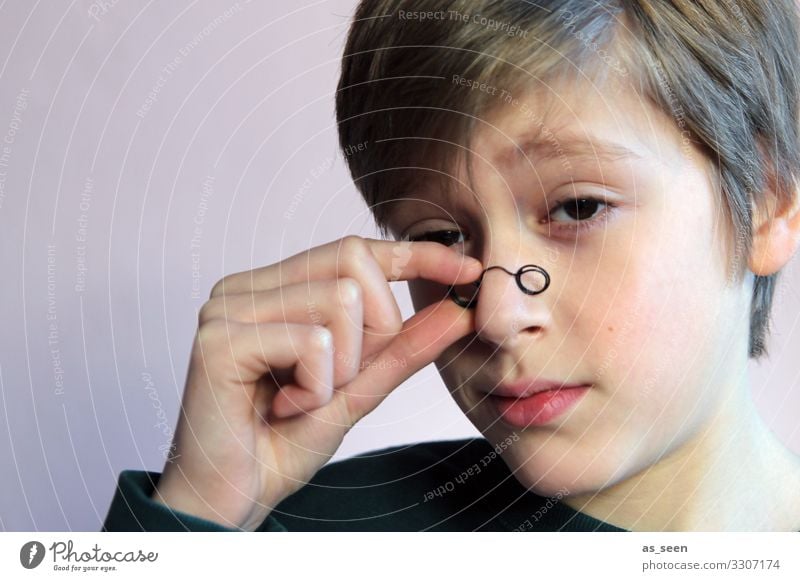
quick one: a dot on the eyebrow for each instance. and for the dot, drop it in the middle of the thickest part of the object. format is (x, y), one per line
(537, 147)
(541, 146)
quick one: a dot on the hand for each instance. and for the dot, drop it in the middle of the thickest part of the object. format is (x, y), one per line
(288, 357)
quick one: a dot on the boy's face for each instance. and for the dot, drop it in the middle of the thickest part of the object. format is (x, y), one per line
(638, 305)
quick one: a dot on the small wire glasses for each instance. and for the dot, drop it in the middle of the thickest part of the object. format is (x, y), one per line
(531, 279)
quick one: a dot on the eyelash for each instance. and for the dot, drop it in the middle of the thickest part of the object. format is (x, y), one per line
(584, 225)
(579, 226)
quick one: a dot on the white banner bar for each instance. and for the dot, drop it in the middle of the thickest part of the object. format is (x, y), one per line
(333, 556)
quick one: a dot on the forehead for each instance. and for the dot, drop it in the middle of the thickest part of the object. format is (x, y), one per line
(575, 123)
(561, 128)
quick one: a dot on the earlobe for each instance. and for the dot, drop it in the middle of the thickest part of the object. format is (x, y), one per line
(775, 240)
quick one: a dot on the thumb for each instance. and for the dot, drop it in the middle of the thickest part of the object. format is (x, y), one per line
(422, 339)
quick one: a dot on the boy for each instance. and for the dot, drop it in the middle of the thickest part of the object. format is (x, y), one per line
(640, 158)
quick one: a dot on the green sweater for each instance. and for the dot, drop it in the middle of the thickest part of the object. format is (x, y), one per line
(455, 485)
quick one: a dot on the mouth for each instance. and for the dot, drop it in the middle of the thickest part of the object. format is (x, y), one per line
(536, 403)
(527, 387)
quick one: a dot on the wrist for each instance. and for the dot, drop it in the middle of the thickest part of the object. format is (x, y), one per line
(183, 497)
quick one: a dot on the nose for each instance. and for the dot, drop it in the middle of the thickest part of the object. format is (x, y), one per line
(505, 314)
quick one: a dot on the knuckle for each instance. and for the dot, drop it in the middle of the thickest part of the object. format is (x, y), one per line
(394, 325)
(208, 312)
(389, 325)
(349, 292)
(325, 395)
(353, 249)
(321, 338)
(219, 286)
(212, 334)
(352, 240)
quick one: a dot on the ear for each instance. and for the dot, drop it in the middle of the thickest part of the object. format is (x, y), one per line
(776, 236)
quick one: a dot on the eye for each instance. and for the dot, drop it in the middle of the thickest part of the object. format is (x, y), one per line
(581, 212)
(446, 237)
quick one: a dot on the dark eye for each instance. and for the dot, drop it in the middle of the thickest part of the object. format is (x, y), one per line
(446, 237)
(580, 208)
(581, 213)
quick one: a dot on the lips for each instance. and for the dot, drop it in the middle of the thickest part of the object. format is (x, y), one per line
(527, 387)
(534, 402)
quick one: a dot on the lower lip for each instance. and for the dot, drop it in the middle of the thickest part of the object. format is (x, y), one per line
(538, 409)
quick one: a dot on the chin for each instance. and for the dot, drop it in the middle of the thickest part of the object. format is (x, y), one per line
(556, 472)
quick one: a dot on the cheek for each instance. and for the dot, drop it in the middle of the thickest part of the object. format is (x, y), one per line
(659, 320)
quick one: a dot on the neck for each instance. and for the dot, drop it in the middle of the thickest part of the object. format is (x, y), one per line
(732, 475)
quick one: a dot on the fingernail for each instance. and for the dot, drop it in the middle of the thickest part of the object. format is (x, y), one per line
(473, 261)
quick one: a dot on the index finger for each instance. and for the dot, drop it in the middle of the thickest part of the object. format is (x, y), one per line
(402, 260)
(370, 262)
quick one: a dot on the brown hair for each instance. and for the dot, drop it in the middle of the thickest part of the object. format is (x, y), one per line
(726, 71)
